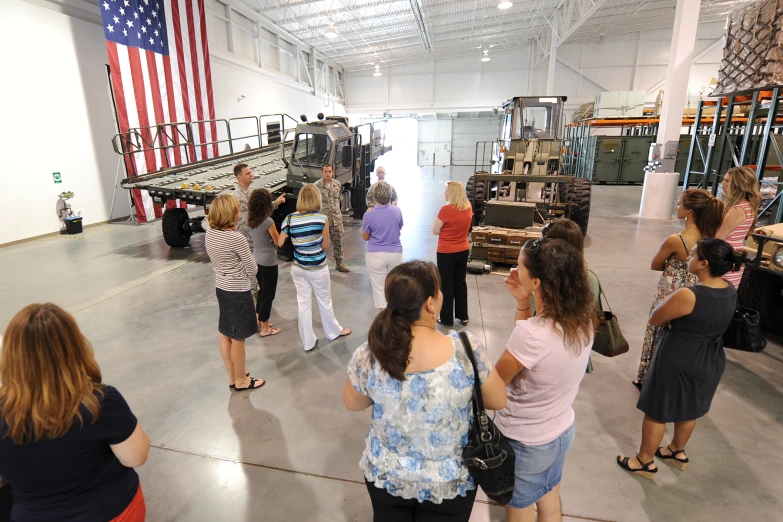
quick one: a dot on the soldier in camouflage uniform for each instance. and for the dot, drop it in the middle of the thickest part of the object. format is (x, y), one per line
(244, 175)
(331, 190)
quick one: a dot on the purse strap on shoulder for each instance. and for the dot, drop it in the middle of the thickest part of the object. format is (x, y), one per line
(601, 293)
(478, 400)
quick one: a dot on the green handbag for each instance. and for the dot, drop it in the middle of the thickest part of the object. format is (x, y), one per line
(609, 340)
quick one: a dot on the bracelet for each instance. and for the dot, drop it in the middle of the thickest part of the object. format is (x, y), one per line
(523, 309)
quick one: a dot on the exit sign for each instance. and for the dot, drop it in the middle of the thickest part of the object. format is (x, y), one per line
(57, 177)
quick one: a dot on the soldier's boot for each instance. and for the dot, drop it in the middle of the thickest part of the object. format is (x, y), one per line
(341, 267)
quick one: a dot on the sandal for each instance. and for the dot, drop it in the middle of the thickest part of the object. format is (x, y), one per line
(672, 459)
(252, 386)
(231, 386)
(644, 471)
(272, 331)
(344, 334)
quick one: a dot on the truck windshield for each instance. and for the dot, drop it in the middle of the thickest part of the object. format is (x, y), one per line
(312, 150)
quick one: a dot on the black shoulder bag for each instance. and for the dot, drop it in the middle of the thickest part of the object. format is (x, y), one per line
(744, 331)
(609, 340)
(286, 252)
(488, 454)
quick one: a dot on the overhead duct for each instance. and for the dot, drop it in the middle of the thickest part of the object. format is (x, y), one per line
(419, 16)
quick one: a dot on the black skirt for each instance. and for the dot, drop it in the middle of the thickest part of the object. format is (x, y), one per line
(237, 314)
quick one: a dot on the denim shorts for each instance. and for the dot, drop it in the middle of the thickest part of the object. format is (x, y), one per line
(539, 468)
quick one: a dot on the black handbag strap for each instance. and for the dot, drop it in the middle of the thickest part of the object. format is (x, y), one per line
(478, 401)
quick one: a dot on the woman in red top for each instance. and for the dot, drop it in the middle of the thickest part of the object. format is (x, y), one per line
(452, 226)
(741, 199)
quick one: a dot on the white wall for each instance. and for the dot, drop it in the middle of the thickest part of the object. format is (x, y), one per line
(633, 61)
(57, 115)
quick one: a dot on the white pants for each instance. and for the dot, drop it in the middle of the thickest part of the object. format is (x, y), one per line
(307, 282)
(379, 264)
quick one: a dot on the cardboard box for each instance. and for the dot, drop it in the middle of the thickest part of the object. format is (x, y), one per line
(497, 237)
(480, 235)
(514, 242)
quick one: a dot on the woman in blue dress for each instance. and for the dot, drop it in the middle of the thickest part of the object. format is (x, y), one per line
(419, 383)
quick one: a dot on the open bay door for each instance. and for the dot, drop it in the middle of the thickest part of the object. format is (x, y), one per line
(469, 129)
(434, 147)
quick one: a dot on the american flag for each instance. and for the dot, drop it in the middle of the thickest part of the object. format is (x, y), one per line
(159, 68)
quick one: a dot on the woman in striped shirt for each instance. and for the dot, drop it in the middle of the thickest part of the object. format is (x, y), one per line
(234, 268)
(309, 231)
(742, 199)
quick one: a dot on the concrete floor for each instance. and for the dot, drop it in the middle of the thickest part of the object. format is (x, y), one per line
(290, 451)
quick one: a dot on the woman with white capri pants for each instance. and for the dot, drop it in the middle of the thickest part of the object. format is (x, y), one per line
(381, 229)
(309, 231)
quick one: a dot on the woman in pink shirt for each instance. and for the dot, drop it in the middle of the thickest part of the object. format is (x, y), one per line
(742, 199)
(542, 366)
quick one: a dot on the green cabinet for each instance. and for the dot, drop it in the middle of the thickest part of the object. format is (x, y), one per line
(617, 159)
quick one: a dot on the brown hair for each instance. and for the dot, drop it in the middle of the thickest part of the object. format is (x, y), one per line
(383, 192)
(565, 291)
(238, 168)
(223, 212)
(743, 185)
(408, 286)
(568, 231)
(259, 207)
(707, 210)
(308, 200)
(49, 375)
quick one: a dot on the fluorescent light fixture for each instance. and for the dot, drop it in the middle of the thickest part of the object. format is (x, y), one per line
(377, 71)
(486, 57)
(504, 5)
(547, 100)
(330, 32)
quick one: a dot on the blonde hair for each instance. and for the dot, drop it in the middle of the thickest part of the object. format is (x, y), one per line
(224, 212)
(49, 375)
(309, 199)
(743, 185)
(383, 192)
(456, 195)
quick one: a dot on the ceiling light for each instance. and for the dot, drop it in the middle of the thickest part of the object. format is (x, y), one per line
(330, 32)
(377, 71)
(486, 57)
(504, 5)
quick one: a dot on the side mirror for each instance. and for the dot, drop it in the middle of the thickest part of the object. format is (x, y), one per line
(346, 159)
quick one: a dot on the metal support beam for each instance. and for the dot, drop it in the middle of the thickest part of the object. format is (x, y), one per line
(695, 59)
(587, 76)
(568, 16)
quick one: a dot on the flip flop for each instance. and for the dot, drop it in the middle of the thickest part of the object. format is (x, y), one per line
(271, 332)
(231, 386)
(252, 386)
(344, 334)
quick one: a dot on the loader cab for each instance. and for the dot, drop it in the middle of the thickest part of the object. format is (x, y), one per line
(533, 118)
(325, 142)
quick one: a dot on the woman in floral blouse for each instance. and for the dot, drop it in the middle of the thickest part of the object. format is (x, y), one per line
(419, 383)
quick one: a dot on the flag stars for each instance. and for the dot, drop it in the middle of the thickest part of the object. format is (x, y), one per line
(143, 29)
(136, 16)
(156, 33)
(138, 35)
(127, 4)
(152, 42)
(110, 28)
(116, 20)
(148, 22)
(122, 11)
(154, 14)
(141, 9)
(129, 23)
(105, 6)
(125, 32)
(159, 25)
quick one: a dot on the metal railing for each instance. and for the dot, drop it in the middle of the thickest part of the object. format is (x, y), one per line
(187, 136)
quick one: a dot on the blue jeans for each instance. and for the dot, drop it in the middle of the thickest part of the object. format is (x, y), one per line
(539, 468)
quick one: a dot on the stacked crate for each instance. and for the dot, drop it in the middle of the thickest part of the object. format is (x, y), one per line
(500, 245)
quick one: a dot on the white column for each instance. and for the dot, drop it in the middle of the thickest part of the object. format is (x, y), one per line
(686, 20)
(550, 79)
(660, 189)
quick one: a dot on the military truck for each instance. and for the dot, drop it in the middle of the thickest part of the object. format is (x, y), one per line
(283, 162)
(521, 172)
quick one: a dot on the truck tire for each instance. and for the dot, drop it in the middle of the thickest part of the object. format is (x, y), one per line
(770, 301)
(174, 232)
(477, 194)
(581, 192)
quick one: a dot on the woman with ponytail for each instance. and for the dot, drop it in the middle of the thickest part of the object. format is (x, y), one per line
(689, 358)
(419, 383)
(703, 215)
(742, 199)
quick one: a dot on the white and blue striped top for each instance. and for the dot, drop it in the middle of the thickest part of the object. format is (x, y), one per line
(306, 233)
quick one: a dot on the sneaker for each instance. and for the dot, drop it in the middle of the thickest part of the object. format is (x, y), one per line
(342, 268)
